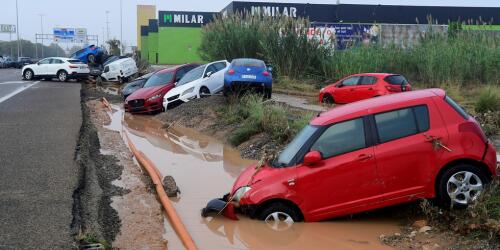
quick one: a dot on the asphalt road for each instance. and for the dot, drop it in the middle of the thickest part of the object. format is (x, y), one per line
(39, 128)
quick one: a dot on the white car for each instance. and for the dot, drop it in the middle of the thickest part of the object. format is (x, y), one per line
(201, 81)
(60, 67)
(119, 70)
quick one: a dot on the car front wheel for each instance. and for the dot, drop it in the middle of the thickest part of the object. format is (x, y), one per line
(461, 185)
(327, 99)
(28, 74)
(91, 59)
(204, 92)
(62, 76)
(278, 216)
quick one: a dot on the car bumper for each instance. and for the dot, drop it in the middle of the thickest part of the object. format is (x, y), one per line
(148, 108)
(76, 75)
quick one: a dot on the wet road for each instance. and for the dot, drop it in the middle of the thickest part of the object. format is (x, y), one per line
(39, 125)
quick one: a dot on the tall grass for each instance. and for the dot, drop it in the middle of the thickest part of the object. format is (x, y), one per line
(469, 56)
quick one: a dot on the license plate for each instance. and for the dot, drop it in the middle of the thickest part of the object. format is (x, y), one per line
(249, 76)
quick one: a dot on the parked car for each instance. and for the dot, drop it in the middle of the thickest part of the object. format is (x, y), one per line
(22, 61)
(90, 54)
(149, 99)
(204, 80)
(134, 85)
(362, 86)
(119, 70)
(248, 73)
(8, 63)
(60, 67)
(370, 154)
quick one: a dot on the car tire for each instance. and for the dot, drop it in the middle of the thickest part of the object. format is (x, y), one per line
(328, 99)
(91, 59)
(204, 92)
(458, 183)
(62, 76)
(29, 75)
(278, 213)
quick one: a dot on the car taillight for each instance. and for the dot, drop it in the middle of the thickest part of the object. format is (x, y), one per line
(265, 73)
(472, 127)
(93, 48)
(392, 88)
(73, 67)
(231, 71)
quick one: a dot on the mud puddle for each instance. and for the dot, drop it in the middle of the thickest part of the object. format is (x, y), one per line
(204, 168)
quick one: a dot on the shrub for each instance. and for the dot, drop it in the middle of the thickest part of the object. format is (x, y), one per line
(489, 100)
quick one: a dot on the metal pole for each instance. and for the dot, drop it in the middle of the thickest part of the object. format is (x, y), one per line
(41, 26)
(107, 25)
(10, 43)
(17, 30)
(121, 29)
(36, 46)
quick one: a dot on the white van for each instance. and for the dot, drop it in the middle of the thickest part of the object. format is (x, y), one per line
(119, 70)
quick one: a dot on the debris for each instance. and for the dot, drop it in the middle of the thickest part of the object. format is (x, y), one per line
(420, 223)
(424, 229)
(170, 186)
(413, 234)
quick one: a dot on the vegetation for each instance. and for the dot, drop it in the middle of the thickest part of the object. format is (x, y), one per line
(466, 57)
(114, 47)
(28, 49)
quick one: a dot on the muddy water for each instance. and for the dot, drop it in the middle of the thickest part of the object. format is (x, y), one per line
(204, 168)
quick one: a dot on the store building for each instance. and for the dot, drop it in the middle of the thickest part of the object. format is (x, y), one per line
(176, 35)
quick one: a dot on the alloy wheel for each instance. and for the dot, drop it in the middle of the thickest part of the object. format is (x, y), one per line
(279, 221)
(464, 187)
(28, 75)
(62, 76)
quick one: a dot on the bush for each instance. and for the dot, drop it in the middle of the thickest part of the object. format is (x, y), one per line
(489, 100)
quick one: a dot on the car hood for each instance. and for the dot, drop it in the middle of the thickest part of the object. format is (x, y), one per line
(179, 89)
(261, 174)
(145, 93)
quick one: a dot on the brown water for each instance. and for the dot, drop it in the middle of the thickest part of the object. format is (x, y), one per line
(205, 168)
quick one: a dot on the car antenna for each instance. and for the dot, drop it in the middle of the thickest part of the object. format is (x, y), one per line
(319, 114)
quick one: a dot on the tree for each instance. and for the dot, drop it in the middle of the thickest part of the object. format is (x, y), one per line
(114, 46)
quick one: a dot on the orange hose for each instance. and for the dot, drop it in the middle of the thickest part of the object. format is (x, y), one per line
(106, 103)
(174, 218)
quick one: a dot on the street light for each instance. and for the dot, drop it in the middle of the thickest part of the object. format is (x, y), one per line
(17, 30)
(41, 26)
(121, 29)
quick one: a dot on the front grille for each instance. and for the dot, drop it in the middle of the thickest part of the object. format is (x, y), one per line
(172, 97)
(174, 104)
(136, 103)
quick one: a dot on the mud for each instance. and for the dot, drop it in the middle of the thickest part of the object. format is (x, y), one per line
(140, 213)
(93, 216)
(205, 168)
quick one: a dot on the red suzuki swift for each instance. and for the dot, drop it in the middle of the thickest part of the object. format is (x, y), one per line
(149, 98)
(366, 155)
(363, 86)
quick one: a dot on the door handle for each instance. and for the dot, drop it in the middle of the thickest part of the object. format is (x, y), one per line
(370, 88)
(364, 157)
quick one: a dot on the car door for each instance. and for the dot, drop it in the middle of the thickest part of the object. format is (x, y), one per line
(210, 78)
(343, 92)
(42, 67)
(365, 88)
(346, 177)
(405, 155)
(54, 66)
(218, 77)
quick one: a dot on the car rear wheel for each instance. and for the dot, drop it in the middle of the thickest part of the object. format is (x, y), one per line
(204, 92)
(91, 58)
(461, 185)
(29, 75)
(327, 99)
(62, 76)
(278, 216)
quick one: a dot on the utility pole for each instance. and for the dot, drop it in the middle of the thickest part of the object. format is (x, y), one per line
(121, 29)
(17, 30)
(41, 27)
(107, 25)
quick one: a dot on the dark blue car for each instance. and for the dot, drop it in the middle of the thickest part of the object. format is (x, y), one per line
(90, 54)
(247, 73)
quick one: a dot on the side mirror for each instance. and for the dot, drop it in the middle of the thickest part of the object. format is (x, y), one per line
(312, 158)
(38, 63)
(340, 85)
(209, 73)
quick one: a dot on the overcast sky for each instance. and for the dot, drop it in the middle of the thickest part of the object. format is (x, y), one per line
(91, 14)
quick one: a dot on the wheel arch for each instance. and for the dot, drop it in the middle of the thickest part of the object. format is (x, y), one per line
(325, 95)
(286, 202)
(481, 166)
(26, 69)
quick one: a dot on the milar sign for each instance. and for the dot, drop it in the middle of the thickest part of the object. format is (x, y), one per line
(274, 11)
(184, 18)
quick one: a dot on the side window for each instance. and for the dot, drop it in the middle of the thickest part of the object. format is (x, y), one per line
(396, 80)
(367, 80)
(45, 61)
(56, 61)
(179, 74)
(351, 81)
(210, 70)
(341, 138)
(220, 66)
(403, 122)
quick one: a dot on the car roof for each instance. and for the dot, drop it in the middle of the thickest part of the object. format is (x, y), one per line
(375, 74)
(373, 105)
(175, 68)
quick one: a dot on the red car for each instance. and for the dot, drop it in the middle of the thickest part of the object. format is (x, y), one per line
(363, 86)
(149, 99)
(366, 155)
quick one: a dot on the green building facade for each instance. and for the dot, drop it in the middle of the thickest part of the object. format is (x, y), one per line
(144, 43)
(153, 42)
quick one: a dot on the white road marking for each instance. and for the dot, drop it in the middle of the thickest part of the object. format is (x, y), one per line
(17, 91)
(12, 82)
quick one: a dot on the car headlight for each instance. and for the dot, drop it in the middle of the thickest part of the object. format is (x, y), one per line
(187, 91)
(152, 98)
(321, 90)
(240, 192)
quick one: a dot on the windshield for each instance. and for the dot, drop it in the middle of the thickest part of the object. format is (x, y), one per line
(110, 60)
(249, 63)
(286, 156)
(192, 75)
(159, 78)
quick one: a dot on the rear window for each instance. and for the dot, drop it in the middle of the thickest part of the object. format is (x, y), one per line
(75, 61)
(249, 63)
(400, 123)
(396, 80)
(456, 107)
